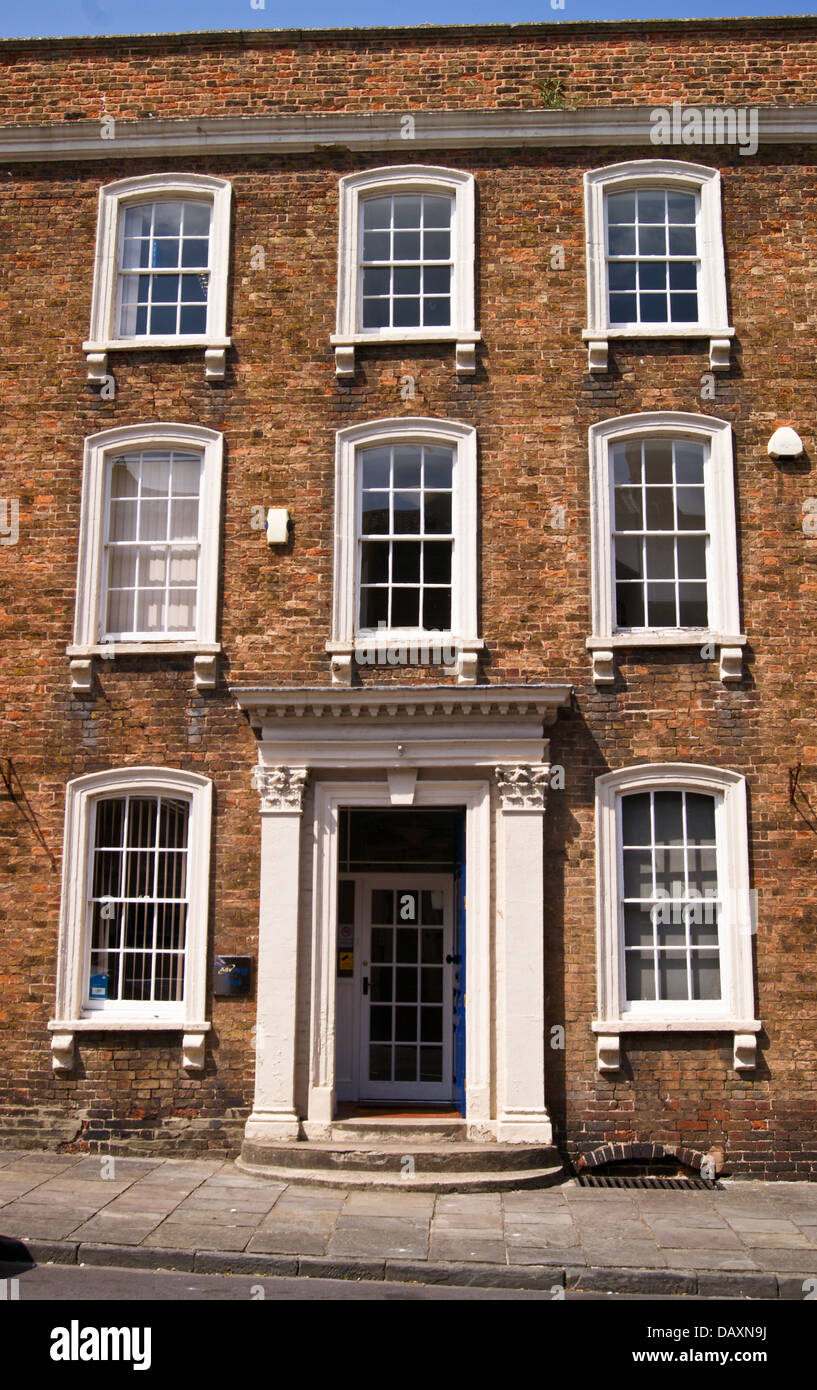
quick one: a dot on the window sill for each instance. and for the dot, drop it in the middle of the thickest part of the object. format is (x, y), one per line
(719, 341)
(465, 339)
(603, 649)
(458, 656)
(608, 1036)
(63, 1033)
(215, 352)
(205, 659)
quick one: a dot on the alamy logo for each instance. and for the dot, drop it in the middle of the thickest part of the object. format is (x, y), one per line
(716, 125)
(75, 1343)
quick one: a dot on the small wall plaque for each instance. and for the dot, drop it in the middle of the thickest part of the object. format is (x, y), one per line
(232, 975)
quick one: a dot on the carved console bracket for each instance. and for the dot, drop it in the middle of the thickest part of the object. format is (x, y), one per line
(281, 788)
(523, 788)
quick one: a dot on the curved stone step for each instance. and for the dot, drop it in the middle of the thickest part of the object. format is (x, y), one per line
(376, 1179)
(437, 1167)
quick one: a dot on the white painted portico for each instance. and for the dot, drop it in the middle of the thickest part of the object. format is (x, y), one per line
(320, 750)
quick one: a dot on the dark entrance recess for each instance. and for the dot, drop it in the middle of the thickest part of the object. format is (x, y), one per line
(395, 840)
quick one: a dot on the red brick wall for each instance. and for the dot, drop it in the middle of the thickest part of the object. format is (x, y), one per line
(532, 402)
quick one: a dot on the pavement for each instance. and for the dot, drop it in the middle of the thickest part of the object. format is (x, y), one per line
(743, 1240)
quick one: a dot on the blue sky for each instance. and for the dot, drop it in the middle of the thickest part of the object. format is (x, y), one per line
(49, 17)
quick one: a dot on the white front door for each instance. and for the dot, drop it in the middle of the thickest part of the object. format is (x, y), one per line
(406, 985)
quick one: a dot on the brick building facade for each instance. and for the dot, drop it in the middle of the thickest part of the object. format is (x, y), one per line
(455, 285)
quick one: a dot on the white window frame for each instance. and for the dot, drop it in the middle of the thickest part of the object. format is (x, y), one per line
(73, 1015)
(735, 1011)
(462, 639)
(723, 631)
(407, 178)
(114, 198)
(89, 614)
(713, 316)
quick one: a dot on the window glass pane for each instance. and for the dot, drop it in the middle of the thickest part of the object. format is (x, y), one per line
(661, 557)
(628, 504)
(672, 975)
(627, 463)
(668, 818)
(406, 562)
(637, 873)
(407, 466)
(407, 210)
(621, 241)
(629, 605)
(621, 207)
(436, 211)
(438, 465)
(406, 312)
(167, 219)
(706, 975)
(682, 241)
(658, 461)
(636, 824)
(681, 207)
(691, 509)
(406, 279)
(661, 605)
(376, 468)
(374, 562)
(629, 558)
(693, 606)
(405, 607)
(689, 462)
(437, 562)
(437, 610)
(660, 509)
(640, 974)
(406, 512)
(377, 212)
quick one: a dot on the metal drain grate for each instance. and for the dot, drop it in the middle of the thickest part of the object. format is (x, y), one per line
(676, 1184)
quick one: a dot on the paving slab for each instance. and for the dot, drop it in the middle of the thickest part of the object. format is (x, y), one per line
(696, 1258)
(117, 1230)
(518, 1237)
(545, 1255)
(39, 1222)
(390, 1203)
(397, 1241)
(676, 1237)
(200, 1237)
(785, 1261)
(291, 1240)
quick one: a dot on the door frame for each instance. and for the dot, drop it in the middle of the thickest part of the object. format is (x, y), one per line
(474, 796)
(402, 1093)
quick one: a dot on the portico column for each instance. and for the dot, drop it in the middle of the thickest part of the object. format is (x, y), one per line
(522, 1116)
(274, 1117)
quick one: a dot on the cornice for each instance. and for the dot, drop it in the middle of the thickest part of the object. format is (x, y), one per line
(153, 139)
(266, 704)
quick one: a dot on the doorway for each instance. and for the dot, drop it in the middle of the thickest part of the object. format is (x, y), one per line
(401, 957)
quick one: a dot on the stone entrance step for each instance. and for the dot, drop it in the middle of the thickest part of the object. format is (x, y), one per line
(399, 1129)
(443, 1165)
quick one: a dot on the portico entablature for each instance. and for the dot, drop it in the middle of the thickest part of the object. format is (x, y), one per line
(425, 726)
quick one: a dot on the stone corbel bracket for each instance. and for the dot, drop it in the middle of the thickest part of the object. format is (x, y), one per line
(745, 1053)
(62, 1051)
(608, 1052)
